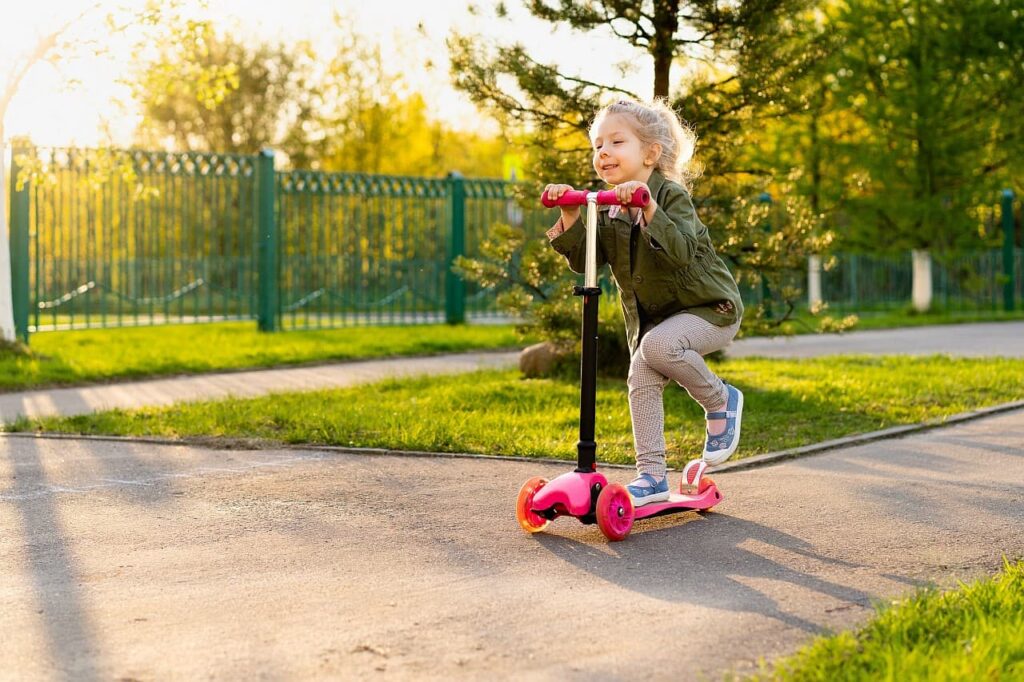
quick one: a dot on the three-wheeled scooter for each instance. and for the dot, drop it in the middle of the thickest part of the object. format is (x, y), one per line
(584, 492)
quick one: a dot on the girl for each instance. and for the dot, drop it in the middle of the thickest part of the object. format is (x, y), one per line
(678, 299)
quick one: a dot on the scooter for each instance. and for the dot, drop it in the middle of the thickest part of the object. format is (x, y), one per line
(584, 492)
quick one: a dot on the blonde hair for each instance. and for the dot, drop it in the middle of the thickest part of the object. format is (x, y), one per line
(656, 122)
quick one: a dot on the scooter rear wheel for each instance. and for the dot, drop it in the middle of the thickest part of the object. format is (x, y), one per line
(615, 512)
(531, 523)
(705, 483)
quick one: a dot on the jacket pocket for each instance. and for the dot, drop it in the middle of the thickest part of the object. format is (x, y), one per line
(697, 270)
(702, 281)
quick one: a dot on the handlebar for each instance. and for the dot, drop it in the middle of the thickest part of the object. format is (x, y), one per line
(578, 197)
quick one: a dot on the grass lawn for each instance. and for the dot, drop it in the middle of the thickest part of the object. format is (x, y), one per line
(789, 403)
(70, 358)
(975, 632)
(98, 355)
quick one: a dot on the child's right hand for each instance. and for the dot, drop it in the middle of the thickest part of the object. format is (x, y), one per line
(569, 213)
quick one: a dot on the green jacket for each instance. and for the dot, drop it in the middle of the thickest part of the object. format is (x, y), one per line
(664, 269)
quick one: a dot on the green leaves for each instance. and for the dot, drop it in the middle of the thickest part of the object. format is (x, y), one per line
(530, 279)
(931, 87)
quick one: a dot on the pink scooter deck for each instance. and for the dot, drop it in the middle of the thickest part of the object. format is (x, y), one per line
(680, 503)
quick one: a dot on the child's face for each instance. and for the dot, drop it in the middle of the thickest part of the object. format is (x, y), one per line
(619, 154)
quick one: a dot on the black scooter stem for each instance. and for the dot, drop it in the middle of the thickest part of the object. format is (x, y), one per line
(586, 448)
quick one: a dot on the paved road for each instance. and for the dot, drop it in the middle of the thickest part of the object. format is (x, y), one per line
(969, 340)
(143, 562)
(157, 392)
(1003, 338)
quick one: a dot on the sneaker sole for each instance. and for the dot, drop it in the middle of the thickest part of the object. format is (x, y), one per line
(647, 499)
(721, 456)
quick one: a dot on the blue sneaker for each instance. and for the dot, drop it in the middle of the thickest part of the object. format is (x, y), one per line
(721, 447)
(645, 489)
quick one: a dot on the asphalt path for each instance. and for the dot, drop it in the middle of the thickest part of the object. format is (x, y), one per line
(134, 561)
(1004, 339)
(242, 384)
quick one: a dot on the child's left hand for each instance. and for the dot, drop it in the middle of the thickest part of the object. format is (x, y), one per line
(625, 191)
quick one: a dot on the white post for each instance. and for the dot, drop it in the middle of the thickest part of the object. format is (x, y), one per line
(922, 282)
(813, 281)
(6, 299)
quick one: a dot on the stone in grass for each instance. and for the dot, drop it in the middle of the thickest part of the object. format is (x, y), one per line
(539, 359)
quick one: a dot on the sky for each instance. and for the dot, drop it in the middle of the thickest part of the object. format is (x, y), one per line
(75, 102)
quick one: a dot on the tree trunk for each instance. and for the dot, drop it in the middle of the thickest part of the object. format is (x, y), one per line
(6, 299)
(662, 47)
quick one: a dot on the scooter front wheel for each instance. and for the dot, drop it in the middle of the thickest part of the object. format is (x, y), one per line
(615, 512)
(531, 523)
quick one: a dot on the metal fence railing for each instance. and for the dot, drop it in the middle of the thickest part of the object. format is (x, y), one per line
(360, 249)
(969, 282)
(116, 238)
(103, 238)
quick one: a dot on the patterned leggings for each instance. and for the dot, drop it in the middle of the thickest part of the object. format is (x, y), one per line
(672, 351)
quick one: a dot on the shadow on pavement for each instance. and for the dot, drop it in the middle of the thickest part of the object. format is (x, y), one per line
(700, 559)
(923, 486)
(46, 492)
(52, 568)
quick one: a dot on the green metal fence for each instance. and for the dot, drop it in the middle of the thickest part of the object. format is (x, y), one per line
(104, 238)
(117, 238)
(859, 282)
(369, 249)
(357, 249)
(982, 280)
(961, 283)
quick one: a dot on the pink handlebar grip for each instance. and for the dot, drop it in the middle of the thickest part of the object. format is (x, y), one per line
(578, 197)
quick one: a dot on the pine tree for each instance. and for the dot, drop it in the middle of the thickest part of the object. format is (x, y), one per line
(743, 64)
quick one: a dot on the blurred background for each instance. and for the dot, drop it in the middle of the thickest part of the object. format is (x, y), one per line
(321, 164)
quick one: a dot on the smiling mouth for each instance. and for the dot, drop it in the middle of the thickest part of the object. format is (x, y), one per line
(607, 168)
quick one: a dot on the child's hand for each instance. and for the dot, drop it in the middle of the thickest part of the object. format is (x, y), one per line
(569, 213)
(625, 191)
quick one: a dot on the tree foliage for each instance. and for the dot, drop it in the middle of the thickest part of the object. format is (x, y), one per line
(348, 112)
(252, 96)
(742, 62)
(533, 284)
(934, 94)
(73, 36)
(745, 64)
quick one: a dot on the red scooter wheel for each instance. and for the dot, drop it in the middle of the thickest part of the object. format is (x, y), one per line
(531, 523)
(705, 483)
(615, 512)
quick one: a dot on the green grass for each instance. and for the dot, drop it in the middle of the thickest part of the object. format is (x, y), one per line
(102, 355)
(789, 403)
(975, 632)
(99, 355)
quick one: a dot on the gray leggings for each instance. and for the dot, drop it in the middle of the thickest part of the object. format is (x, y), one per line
(672, 351)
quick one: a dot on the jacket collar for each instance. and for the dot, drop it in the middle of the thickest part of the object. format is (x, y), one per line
(655, 182)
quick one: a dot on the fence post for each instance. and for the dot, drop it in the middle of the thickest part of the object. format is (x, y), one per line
(1009, 234)
(266, 221)
(814, 297)
(853, 283)
(454, 287)
(921, 280)
(19, 248)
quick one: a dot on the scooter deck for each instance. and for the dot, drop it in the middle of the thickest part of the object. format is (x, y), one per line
(680, 503)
